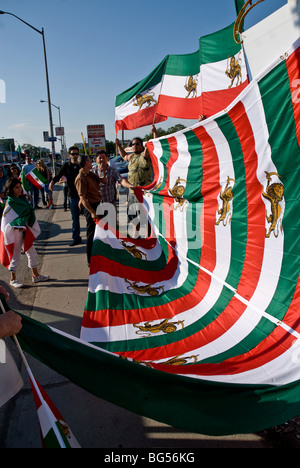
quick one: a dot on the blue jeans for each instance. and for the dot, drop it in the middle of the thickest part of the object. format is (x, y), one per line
(75, 213)
(34, 193)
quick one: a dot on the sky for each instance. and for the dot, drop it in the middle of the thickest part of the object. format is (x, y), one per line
(96, 49)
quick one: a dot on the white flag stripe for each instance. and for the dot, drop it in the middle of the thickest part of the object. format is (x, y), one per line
(130, 107)
(213, 74)
(174, 86)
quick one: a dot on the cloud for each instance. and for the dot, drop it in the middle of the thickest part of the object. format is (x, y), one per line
(18, 126)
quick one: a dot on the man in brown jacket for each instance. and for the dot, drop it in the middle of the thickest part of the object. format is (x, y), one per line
(87, 185)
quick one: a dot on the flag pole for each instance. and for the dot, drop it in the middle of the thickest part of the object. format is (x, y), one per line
(84, 147)
(52, 422)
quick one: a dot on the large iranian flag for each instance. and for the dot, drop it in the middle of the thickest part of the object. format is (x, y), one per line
(205, 313)
(185, 86)
(17, 214)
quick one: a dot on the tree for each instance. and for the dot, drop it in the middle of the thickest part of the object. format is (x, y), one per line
(175, 128)
(110, 147)
(33, 151)
(162, 132)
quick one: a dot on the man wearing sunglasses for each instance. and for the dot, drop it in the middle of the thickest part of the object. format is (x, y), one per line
(70, 171)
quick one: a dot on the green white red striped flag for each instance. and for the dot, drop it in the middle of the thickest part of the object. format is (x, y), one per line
(35, 178)
(55, 432)
(137, 106)
(17, 213)
(185, 86)
(24, 182)
(204, 315)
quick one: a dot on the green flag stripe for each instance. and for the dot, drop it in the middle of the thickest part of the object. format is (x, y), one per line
(183, 65)
(124, 257)
(199, 405)
(40, 176)
(218, 46)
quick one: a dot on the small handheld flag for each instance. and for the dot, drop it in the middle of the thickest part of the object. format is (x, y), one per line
(55, 432)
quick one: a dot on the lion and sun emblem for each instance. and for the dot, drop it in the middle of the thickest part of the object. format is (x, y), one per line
(233, 72)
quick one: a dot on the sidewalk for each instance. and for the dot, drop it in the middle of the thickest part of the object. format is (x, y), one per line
(60, 303)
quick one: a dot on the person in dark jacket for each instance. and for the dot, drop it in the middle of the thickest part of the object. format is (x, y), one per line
(70, 171)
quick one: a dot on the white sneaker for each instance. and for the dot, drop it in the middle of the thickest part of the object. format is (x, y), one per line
(40, 279)
(16, 284)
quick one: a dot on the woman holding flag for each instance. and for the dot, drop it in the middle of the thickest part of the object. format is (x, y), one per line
(19, 228)
(30, 183)
(3, 180)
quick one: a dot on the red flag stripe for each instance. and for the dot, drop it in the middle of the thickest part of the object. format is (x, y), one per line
(175, 106)
(208, 103)
(6, 251)
(141, 118)
(216, 101)
(172, 159)
(28, 239)
(255, 205)
(36, 183)
(114, 268)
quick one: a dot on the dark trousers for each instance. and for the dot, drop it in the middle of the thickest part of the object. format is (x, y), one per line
(75, 213)
(34, 193)
(90, 231)
(66, 189)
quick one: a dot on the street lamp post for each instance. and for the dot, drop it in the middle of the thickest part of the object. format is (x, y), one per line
(59, 116)
(47, 80)
(57, 107)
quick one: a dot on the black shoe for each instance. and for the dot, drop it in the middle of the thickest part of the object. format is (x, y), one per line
(75, 243)
(37, 207)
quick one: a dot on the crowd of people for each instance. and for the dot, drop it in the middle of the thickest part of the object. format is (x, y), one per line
(34, 194)
(87, 189)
